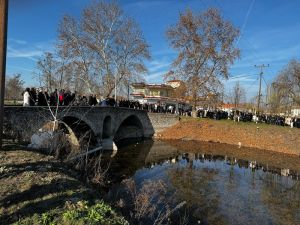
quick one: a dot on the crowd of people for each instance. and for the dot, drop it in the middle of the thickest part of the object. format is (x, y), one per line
(240, 116)
(156, 107)
(40, 97)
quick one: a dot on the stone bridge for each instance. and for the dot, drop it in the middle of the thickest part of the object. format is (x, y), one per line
(104, 125)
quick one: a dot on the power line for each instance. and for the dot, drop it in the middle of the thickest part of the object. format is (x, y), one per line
(252, 83)
(242, 76)
(265, 81)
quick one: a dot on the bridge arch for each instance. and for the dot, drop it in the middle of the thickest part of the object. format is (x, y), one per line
(81, 129)
(130, 127)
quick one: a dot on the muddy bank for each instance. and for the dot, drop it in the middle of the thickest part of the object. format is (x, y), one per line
(261, 136)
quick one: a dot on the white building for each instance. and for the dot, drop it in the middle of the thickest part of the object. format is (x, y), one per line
(295, 112)
(160, 94)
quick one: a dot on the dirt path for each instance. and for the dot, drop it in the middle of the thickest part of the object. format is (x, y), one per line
(262, 136)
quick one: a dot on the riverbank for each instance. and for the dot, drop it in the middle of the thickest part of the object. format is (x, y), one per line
(38, 189)
(261, 136)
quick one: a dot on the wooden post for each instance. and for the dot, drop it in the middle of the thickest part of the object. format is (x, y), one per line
(3, 42)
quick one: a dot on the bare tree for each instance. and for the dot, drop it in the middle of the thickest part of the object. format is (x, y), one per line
(238, 94)
(106, 47)
(14, 87)
(180, 92)
(286, 87)
(72, 47)
(47, 70)
(205, 45)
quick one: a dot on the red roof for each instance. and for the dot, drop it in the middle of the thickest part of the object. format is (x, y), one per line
(174, 81)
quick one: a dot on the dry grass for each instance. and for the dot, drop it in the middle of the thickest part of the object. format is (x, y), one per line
(262, 136)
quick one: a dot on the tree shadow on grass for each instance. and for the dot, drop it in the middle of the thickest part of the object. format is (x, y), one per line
(63, 185)
(38, 191)
(42, 206)
(41, 166)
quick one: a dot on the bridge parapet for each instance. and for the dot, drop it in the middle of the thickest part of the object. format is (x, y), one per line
(103, 122)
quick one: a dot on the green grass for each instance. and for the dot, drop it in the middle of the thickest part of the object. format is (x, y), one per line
(80, 213)
(13, 102)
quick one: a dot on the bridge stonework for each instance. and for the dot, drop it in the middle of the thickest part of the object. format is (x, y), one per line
(107, 124)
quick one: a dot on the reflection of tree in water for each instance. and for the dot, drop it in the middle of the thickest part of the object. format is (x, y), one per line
(196, 187)
(238, 192)
(281, 196)
(129, 159)
(231, 184)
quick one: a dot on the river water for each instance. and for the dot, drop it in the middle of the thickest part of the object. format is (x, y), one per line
(204, 183)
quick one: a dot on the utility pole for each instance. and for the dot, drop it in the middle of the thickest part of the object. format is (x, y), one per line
(262, 66)
(3, 43)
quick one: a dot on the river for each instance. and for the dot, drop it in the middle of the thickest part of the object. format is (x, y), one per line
(204, 183)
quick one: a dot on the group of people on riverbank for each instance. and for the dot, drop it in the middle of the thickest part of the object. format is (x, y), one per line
(240, 116)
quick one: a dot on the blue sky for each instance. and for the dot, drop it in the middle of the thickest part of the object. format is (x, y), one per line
(270, 31)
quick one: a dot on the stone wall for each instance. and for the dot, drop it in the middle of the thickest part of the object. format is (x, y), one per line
(162, 121)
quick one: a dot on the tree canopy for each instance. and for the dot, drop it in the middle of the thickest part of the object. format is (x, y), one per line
(97, 51)
(205, 43)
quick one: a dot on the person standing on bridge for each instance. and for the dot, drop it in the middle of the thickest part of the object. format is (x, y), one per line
(26, 97)
(33, 96)
(42, 97)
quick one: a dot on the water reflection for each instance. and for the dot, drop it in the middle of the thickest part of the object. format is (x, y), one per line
(218, 189)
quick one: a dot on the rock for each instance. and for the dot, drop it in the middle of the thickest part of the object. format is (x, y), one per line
(41, 140)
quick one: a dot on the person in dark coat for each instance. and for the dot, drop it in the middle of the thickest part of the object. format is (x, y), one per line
(53, 98)
(90, 100)
(42, 98)
(67, 98)
(33, 96)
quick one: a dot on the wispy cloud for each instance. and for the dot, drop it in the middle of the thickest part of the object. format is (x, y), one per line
(166, 51)
(17, 41)
(22, 49)
(246, 20)
(24, 53)
(19, 68)
(157, 69)
(244, 80)
(272, 34)
(156, 77)
(155, 65)
(270, 55)
(146, 4)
